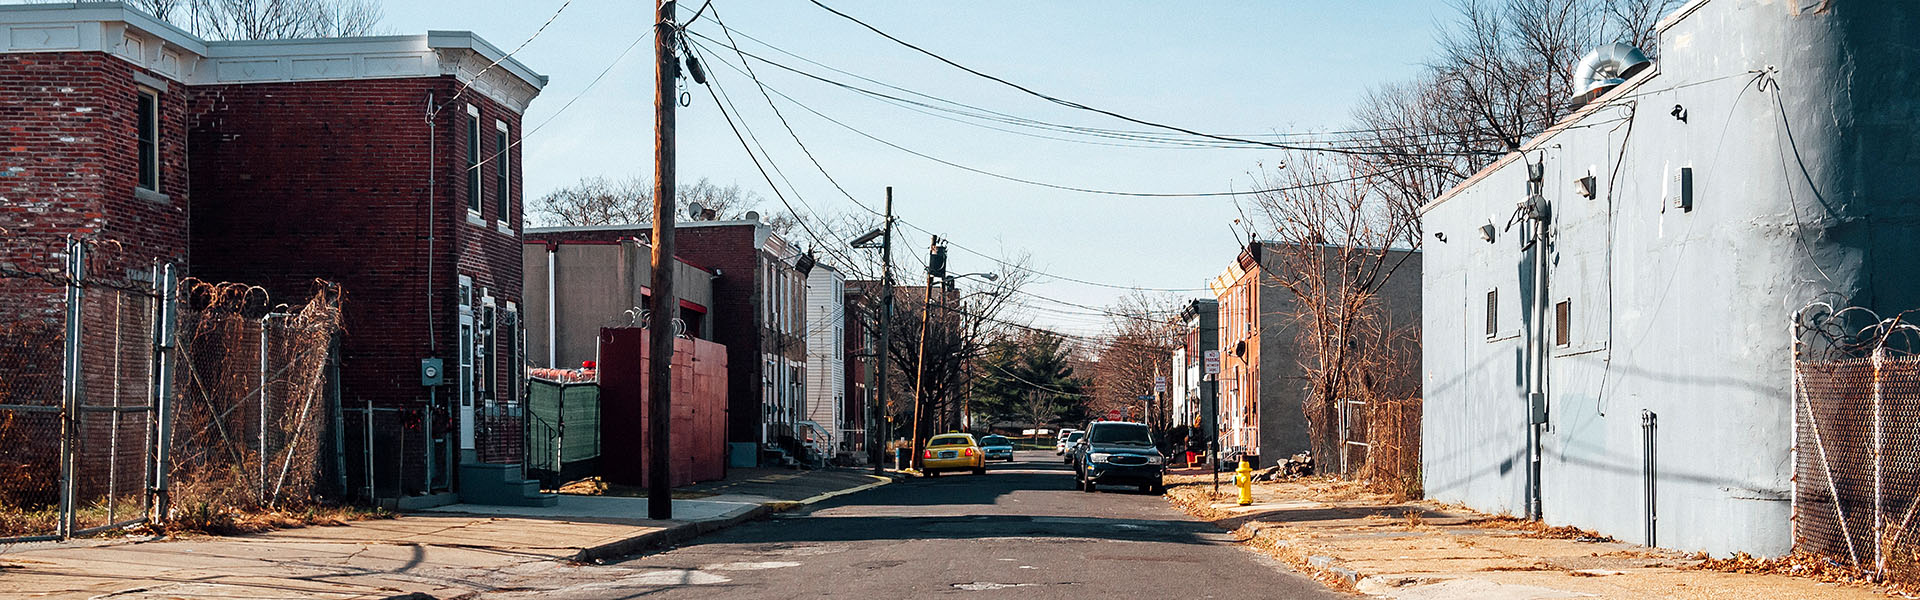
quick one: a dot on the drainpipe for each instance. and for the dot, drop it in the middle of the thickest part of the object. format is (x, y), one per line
(1535, 210)
(553, 322)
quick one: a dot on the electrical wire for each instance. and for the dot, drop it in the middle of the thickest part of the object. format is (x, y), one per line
(503, 58)
(1079, 106)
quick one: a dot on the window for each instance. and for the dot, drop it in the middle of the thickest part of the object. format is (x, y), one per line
(500, 189)
(1493, 310)
(149, 113)
(1560, 322)
(473, 160)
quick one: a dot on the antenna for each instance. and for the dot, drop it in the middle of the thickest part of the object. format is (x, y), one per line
(693, 210)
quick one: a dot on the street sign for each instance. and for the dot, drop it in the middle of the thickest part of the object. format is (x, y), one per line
(1211, 360)
(1160, 383)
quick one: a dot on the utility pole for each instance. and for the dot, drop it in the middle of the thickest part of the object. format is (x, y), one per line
(883, 420)
(664, 305)
(934, 263)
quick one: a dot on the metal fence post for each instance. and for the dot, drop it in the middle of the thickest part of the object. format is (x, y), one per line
(161, 446)
(70, 390)
(260, 456)
(1879, 506)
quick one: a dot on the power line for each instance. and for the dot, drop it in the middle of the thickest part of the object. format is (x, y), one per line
(503, 58)
(1079, 106)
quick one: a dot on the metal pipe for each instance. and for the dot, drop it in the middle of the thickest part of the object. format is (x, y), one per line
(70, 387)
(1649, 424)
(553, 322)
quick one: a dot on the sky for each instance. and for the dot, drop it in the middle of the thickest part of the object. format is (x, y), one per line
(1234, 67)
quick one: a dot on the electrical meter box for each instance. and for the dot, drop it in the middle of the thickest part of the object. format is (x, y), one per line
(432, 372)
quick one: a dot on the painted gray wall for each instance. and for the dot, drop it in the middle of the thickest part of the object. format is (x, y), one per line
(1684, 314)
(595, 284)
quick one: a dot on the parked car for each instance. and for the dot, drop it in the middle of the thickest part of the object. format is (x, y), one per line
(1119, 453)
(997, 447)
(953, 452)
(1062, 443)
(1066, 446)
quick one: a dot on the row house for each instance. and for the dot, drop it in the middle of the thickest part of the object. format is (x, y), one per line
(389, 165)
(826, 333)
(1190, 388)
(759, 295)
(1261, 389)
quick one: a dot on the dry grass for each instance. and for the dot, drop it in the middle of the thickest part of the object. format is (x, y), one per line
(1811, 566)
(1536, 529)
(236, 522)
(595, 486)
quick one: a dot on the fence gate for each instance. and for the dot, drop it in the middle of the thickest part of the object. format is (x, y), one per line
(81, 383)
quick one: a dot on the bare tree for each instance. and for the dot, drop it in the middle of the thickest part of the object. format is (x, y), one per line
(1338, 241)
(263, 19)
(629, 201)
(1142, 332)
(1502, 75)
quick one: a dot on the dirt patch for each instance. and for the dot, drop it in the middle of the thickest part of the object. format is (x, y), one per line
(207, 520)
(1536, 529)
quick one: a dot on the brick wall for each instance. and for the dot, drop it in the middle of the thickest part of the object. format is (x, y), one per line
(330, 180)
(69, 149)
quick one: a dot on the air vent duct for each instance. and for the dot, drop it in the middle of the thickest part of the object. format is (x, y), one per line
(1605, 67)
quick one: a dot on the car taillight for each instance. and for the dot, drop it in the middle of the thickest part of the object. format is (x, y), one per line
(969, 452)
(929, 454)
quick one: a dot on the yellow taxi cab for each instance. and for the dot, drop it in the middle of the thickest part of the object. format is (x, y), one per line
(953, 452)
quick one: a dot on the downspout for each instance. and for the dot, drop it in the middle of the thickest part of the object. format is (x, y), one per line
(1535, 210)
(553, 323)
(433, 342)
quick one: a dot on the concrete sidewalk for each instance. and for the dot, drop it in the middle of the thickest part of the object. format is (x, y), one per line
(448, 552)
(1339, 533)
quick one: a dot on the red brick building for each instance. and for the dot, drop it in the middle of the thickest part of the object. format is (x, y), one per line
(759, 302)
(389, 165)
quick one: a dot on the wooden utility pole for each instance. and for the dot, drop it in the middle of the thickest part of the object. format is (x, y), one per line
(920, 363)
(883, 422)
(664, 304)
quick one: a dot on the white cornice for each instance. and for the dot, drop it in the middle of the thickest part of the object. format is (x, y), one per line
(143, 40)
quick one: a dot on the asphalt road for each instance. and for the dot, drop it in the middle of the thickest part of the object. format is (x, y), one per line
(1020, 531)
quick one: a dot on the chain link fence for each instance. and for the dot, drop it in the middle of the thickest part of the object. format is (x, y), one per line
(1856, 481)
(121, 390)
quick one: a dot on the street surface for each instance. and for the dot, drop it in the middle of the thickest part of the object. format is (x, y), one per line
(1020, 531)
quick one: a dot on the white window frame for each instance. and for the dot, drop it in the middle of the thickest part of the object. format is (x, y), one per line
(503, 178)
(465, 361)
(476, 194)
(141, 94)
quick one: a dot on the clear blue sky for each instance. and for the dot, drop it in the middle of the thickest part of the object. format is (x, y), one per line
(1230, 67)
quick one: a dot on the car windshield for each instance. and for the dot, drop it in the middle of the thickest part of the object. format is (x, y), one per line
(1122, 434)
(994, 440)
(948, 441)
(1075, 436)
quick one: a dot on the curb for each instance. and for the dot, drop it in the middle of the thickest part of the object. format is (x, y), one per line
(669, 536)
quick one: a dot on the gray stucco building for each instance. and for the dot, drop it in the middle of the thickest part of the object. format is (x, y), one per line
(1766, 160)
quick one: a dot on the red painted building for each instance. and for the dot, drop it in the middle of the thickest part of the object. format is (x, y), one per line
(389, 165)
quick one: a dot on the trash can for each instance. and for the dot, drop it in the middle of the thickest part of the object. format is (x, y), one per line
(902, 458)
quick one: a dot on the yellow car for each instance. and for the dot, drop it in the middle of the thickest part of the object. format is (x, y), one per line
(953, 452)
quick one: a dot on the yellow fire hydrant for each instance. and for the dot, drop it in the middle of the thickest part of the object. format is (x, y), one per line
(1243, 478)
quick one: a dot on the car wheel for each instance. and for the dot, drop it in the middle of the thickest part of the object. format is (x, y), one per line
(1159, 489)
(980, 470)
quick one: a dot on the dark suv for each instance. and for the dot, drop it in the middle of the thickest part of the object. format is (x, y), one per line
(1119, 453)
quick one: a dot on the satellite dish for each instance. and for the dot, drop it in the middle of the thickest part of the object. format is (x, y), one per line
(693, 210)
(753, 215)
